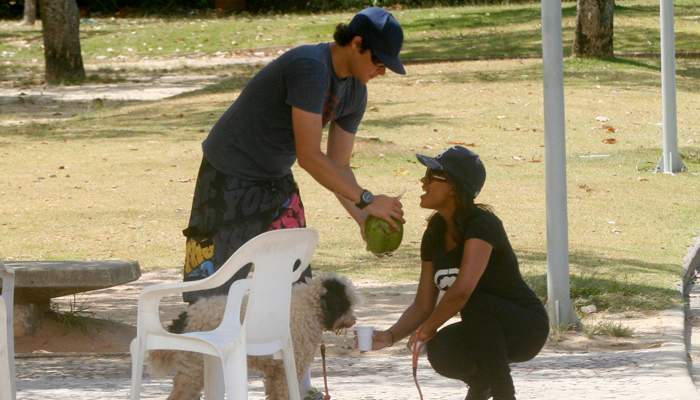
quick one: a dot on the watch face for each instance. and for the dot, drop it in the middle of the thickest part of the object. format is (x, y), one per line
(367, 196)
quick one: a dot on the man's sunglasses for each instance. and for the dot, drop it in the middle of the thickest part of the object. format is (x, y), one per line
(430, 176)
(375, 60)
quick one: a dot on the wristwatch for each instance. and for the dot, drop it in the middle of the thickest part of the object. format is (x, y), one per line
(365, 198)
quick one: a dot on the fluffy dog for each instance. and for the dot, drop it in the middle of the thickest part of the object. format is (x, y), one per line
(321, 304)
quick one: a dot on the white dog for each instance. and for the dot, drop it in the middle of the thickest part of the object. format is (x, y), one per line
(321, 304)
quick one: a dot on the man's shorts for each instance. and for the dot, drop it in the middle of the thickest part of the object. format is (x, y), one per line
(226, 213)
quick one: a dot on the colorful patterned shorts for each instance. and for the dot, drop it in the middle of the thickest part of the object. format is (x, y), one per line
(226, 213)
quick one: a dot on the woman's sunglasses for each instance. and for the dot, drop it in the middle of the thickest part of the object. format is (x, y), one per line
(430, 176)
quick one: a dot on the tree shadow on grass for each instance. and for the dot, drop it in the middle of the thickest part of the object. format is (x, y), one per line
(521, 73)
(679, 10)
(630, 72)
(471, 18)
(243, 74)
(606, 282)
(395, 122)
(481, 44)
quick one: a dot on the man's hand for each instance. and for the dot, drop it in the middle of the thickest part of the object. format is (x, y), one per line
(386, 208)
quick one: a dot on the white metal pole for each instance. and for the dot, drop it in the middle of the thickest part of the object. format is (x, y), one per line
(561, 312)
(670, 159)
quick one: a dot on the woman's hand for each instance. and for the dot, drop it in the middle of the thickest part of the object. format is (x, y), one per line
(380, 340)
(423, 334)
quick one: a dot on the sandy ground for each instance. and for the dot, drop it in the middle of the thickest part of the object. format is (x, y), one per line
(113, 314)
(143, 80)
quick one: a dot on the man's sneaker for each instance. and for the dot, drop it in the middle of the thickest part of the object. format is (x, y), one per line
(314, 394)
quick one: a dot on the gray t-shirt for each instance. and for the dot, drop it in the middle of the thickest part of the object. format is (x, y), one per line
(254, 139)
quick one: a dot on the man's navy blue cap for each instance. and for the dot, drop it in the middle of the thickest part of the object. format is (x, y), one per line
(464, 165)
(384, 34)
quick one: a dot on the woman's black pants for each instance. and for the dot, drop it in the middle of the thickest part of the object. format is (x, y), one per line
(493, 333)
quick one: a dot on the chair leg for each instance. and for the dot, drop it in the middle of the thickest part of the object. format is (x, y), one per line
(137, 356)
(305, 383)
(236, 374)
(290, 371)
(7, 359)
(5, 374)
(214, 388)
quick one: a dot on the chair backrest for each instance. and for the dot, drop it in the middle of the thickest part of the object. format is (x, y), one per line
(274, 255)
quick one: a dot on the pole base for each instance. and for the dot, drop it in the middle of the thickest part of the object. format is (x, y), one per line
(671, 164)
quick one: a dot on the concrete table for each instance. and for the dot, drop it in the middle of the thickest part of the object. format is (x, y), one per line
(37, 282)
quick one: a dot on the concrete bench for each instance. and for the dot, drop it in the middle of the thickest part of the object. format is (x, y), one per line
(37, 282)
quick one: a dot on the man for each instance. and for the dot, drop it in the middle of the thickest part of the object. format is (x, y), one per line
(245, 184)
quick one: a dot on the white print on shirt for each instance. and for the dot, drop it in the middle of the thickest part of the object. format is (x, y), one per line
(444, 278)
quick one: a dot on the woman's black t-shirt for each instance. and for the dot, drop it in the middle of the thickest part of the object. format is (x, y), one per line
(502, 276)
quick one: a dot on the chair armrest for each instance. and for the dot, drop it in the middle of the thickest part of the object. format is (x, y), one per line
(154, 293)
(296, 275)
(236, 293)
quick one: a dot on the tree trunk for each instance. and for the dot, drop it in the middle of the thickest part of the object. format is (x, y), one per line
(594, 28)
(29, 12)
(60, 20)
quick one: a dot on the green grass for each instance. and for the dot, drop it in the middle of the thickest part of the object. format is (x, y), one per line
(116, 179)
(429, 32)
(608, 328)
(77, 316)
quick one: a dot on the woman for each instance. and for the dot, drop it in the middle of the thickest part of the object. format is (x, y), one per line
(465, 251)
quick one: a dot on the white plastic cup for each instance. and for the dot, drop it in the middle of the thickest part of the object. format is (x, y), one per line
(364, 337)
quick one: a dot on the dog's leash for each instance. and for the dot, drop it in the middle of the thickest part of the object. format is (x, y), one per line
(416, 353)
(325, 376)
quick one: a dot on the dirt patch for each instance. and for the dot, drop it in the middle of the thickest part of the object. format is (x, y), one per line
(92, 336)
(115, 310)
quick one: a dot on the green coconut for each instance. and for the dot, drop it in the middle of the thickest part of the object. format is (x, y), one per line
(381, 237)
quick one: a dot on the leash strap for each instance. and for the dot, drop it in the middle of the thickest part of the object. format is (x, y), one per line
(416, 353)
(325, 377)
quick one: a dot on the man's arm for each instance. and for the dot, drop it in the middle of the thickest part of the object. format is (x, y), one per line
(340, 145)
(337, 178)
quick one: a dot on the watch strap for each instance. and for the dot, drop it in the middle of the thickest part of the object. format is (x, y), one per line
(362, 204)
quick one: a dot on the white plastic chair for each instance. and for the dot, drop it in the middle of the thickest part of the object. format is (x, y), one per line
(7, 334)
(265, 329)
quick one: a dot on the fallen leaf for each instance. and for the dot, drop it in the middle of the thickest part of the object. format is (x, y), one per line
(642, 179)
(610, 141)
(461, 143)
(516, 158)
(602, 119)
(402, 172)
(611, 129)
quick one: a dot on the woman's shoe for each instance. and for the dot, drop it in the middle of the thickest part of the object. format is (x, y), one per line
(478, 394)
